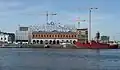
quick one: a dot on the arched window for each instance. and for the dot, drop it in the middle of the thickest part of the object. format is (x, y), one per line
(74, 42)
(33, 36)
(67, 36)
(72, 36)
(47, 35)
(44, 35)
(58, 41)
(58, 36)
(67, 41)
(41, 35)
(34, 41)
(41, 41)
(50, 42)
(75, 35)
(36, 35)
(55, 35)
(70, 41)
(37, 41)
(50, 35)
(61, 35)
(54, 42)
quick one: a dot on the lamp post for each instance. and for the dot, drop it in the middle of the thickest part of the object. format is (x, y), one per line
(90, 18)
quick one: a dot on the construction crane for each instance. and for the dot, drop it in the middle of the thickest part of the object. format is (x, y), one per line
(48, 24)
(79, 21)
(47, 16)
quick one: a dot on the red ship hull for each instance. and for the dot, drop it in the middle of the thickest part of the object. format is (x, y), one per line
(95, 45)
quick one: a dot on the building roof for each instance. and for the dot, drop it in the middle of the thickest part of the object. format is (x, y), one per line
(7, 33)
(4, 33)
(54, 32)
(83, 29)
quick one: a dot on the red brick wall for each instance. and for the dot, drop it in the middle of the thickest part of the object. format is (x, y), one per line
(53, 36)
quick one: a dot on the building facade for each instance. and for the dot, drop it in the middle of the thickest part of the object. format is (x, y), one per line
(4, 37)
(7, 37)
(11, 38)
(82, 34)
(22, 34)
(53, 37)
(105, 38)
(30, 35)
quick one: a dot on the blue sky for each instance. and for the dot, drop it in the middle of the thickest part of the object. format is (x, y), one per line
(105, 19)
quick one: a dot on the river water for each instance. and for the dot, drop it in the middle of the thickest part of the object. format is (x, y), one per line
(59, 59)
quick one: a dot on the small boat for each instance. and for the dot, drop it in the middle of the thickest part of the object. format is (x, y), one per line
(46, 46)
(64, 45)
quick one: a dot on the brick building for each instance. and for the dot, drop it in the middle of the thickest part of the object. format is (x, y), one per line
(25, 34)
(56, 37)
(53, 37)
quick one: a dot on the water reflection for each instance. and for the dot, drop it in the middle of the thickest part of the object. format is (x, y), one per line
(58, 59)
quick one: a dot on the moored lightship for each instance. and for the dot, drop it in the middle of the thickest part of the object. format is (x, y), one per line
(96, 44)
(92, 43)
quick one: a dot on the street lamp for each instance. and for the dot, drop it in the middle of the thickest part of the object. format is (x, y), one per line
(90, 17)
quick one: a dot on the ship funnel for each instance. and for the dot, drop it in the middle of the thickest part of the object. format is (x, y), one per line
(98, 36)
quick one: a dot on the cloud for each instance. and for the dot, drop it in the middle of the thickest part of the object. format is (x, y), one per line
(10, 5)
